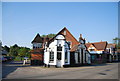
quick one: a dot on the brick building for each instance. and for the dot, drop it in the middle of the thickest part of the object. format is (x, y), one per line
(37, 52)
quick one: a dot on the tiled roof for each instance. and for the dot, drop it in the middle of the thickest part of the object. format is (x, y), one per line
(38, 39)
(98, 45)
(111, 45)
(88, 44)
(61, 32)
(74, 48)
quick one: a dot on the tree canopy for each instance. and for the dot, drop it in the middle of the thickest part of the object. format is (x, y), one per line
(6, 48)
(16, 50)
(49, 35)
(116, 41)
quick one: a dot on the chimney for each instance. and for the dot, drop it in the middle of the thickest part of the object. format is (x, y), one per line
(84, 40)
(80, 38)
(80, 35)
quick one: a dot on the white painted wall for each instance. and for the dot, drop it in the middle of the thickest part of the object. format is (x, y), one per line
(98, 52)
(53, 46)
(88, 60)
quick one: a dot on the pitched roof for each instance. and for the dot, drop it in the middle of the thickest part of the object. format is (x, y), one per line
(66, 36)
(37, 39)
(98, 45)
(111, 45)
(88, 45)
(74, 48)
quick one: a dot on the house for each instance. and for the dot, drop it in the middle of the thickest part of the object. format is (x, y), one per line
(37, 52)
(79, 53)
(112, 52)
(97, 51)
(57, 52)
(118, 52)
(64, 49)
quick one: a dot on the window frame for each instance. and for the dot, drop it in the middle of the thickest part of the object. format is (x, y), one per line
(51, 57)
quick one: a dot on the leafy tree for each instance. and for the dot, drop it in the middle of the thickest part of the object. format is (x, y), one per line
(116, 41)
(15, 46)
(14, 50)
(6, 48)
(23, 51)
(49, 35)
(17, 51)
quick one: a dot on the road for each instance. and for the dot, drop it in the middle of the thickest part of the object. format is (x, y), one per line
(18, 71)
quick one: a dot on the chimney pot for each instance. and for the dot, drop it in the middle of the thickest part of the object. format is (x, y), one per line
(80, 35)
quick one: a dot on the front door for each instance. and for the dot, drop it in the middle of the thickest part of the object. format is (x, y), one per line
(59, 58)
(82, 56)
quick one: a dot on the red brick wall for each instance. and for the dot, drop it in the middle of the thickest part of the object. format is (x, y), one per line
(36, 56)
(69, 37)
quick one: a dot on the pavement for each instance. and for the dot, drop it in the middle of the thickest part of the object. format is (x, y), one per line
(15, 70)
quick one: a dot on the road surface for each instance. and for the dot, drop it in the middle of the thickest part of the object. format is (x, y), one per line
(102, 71)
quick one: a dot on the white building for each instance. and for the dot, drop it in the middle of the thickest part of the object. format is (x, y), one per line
(81, 55)
(112, 53)
(57, 52)
(63, 50)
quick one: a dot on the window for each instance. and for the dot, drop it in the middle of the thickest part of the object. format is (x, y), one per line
(34, 46)
(59, 55)
(91, 49)
(46, 49)
(70, 43)
(39, 45)
(51, 56)
(66, 57)
(78, 57)
(59, 48)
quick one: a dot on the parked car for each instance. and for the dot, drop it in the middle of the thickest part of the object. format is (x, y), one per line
(4, 59)
(9, 58)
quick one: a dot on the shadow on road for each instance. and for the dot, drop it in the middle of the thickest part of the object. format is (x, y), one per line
(90, 65)
(9, 67)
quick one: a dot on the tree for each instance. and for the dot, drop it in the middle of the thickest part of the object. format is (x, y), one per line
(23, 52)
(14, 50)
(116, 41)
(15, 46)
(6, 48)
(49, 35)
(17, 51)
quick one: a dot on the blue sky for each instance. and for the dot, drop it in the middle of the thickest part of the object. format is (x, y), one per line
(21, 21)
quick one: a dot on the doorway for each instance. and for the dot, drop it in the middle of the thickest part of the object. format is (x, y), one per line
(59, 58)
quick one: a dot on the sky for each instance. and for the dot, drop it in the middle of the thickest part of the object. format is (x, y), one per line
(21, 21)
